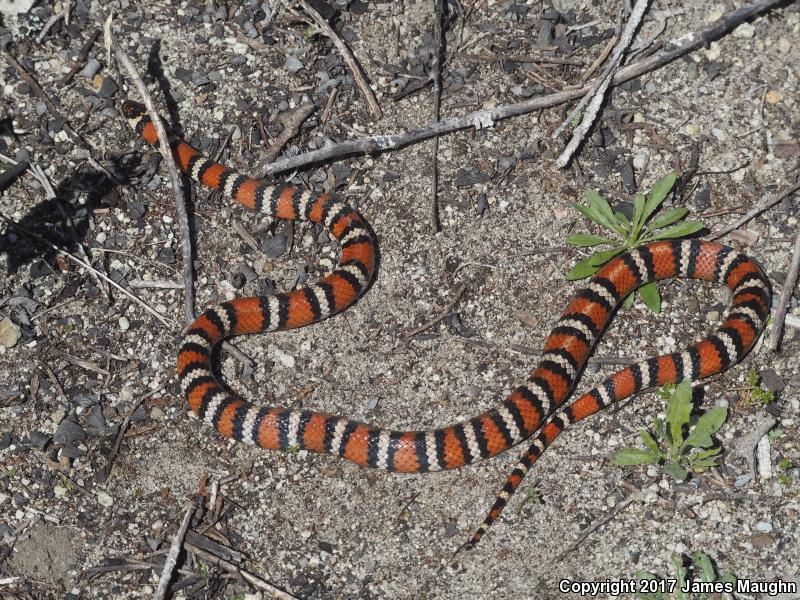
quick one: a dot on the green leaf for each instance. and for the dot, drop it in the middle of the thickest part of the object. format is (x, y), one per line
(598, 259)
(676, 471)
(638, 216)
(706, 453)
(649, 441)
(582, 270)
(636, 456)
(678, 231)
(668, 218)
(657, 194)
(660, 429)
(594, 215)
(600, 203)
(650, 296)
(622, 220)
(585, 240)
(701, 465)
(707, 425)
(628, 302)
(679, 407)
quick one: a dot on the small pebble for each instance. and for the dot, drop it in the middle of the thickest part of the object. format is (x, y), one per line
(745, 30)
(764, 526)
(103, 499)
(10, 333)
(287, 360)
(124, 323)
(156, 413)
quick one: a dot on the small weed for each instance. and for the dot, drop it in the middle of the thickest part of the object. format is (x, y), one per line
(786, 465)
(680, 586)
(627, 234)
(687, 448)
(755, 394)
(532, 496)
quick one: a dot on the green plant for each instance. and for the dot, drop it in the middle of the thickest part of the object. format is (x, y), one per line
(755, 393)
(681, 586)
(532, 496)
(627, 234)
(687, 448)
(785, 465)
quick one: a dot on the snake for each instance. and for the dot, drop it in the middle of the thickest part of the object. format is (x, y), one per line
(539, 405)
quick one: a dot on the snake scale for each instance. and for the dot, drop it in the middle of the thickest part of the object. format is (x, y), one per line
(538, 405)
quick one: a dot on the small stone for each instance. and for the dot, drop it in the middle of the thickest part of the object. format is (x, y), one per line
(292, 64)
(773, 97)
(772, 380)
(745, 30)
(91, 68)
(10, 333)
(692, 129)
(124, 323)
(764, 526)
(712, 316)
(60, 491)
(762, 541)
(68, 432)
(156, 413)
(287, 360)
(103, 499)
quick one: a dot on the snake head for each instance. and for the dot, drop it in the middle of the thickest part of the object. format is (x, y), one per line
(136, 113)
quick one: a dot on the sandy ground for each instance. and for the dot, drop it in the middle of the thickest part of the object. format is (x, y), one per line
(313, 525)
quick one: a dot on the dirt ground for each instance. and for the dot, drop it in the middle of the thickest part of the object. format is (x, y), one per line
(99, 456)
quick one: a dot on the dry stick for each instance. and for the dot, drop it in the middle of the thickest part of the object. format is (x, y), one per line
(51, 106)
(83, 55)
(441, 316)
(86, 265)
(253, 580)
(786, 294)
(166, 153)
(754, 212)
(437, 106)
(483, 118)
(599, 523)
(347, 56)
(172, 556)
(160, 284)
(593, 101)
(123, 428)
(291, 127)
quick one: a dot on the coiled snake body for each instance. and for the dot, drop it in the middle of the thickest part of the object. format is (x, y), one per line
(536, 405)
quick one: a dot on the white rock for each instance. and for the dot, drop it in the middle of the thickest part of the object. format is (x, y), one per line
(745, 30)
(124, 323)
(10, 333)
(104, 499)
(287, 360)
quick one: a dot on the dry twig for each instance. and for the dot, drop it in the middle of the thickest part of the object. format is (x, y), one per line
(437, 106)
(291, 127)
(754, 212)
(240, 573)
(86, 265)
(594, 100)
(347, 56)
(442, 315)
(166, 153)
(172, 556)
(485, 118)
(786, 293)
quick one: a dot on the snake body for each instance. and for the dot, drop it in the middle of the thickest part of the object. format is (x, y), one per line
(536, 405)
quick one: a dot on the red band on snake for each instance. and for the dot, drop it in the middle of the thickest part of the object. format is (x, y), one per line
(538, 405)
